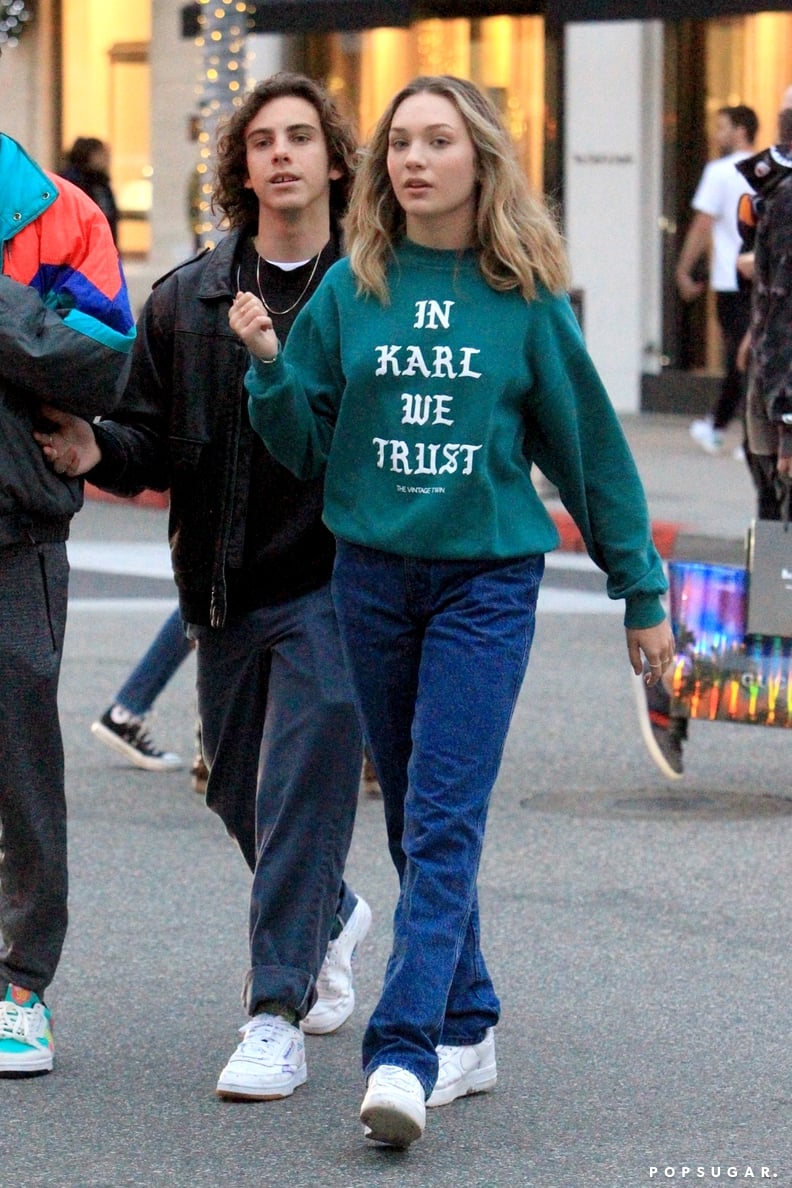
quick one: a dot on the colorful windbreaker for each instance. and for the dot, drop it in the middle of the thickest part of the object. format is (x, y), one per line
(73, 273)
(66, 331)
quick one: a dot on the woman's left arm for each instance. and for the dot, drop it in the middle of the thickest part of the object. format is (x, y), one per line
(581, 448)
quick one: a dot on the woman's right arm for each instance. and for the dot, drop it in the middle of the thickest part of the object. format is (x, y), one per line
(294, 395)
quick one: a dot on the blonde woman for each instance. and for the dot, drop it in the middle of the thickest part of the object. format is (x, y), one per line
(426, 375)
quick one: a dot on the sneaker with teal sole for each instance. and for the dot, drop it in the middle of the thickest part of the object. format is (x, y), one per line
(26, 1043)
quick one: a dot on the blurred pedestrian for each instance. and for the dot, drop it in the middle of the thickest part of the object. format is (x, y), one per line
(123, 726)
(770, 369)
(65, 332)
(88, 166)
(712, 239)
(424, 378)
(252, 562)
(664, 728)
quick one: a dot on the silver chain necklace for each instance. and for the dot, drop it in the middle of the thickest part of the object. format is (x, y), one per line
(281, 312)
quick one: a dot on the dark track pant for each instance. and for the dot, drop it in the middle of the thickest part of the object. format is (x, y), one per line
(33, 872)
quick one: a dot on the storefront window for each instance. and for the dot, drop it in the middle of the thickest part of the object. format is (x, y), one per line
(749, 60)
(106, 94)
(504, 55)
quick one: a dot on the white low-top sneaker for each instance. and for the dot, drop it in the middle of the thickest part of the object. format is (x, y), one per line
(394, 1108)
(469, 1068)
(335, 993)
(709, 438)
(269, 1062)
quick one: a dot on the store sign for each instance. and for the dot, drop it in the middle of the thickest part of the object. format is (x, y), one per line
(661, 10)
(337, 16)
(311, 16)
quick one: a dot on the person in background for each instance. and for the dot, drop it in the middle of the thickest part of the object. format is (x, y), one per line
(664, 731)
(88, 166)
(713, 234)
(66, 330)
(424, 378)
(252, 562)
(770, 336)
(122, 726)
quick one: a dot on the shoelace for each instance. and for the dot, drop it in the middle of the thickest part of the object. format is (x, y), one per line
(264, 1030)
(16, 1024)
(398, 1078)
(143, 740)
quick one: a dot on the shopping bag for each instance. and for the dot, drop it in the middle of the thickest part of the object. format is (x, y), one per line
(721, 673)
(770, 576)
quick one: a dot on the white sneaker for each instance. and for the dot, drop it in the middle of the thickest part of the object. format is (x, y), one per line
(26, 1043)
(710, 440)
(269, 1063)
(394, 1108)
(336, 994)
(469, 1068)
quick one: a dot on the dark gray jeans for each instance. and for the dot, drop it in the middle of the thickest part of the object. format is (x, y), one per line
(282, 741)
(33, 875)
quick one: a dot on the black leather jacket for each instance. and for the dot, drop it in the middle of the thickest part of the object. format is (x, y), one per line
(182, 425)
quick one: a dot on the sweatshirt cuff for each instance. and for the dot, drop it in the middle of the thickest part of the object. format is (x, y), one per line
(266, 368)
(643, 610)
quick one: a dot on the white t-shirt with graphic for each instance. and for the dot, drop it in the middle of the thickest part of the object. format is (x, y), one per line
(717, 195)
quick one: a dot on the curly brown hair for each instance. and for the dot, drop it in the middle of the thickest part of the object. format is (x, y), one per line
(230, 195)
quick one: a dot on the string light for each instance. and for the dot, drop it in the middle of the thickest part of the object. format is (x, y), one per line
(224, 26)
(14, 15)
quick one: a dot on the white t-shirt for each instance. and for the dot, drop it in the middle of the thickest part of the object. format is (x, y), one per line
(717, 195)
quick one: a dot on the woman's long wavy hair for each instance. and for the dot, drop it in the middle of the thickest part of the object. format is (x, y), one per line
(516, 238)
(238, 203)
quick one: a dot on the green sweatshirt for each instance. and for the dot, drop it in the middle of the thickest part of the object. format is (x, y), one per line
(427, 414)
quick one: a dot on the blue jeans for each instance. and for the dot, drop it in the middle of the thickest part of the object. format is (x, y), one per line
(283, 744)
(169, 648)
(437, 651)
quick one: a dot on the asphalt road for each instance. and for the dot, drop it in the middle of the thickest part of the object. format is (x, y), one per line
(638, 933)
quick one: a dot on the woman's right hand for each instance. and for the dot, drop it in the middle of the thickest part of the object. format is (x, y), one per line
(249, 319)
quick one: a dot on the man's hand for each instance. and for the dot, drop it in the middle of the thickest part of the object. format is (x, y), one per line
(696, 246)
(70, 447)
(689, 289)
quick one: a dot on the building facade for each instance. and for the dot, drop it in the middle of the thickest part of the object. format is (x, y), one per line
(611, 118)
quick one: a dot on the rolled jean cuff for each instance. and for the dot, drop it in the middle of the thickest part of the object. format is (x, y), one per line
(274, 983)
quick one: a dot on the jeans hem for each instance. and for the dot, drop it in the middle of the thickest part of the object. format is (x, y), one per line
(274, 983)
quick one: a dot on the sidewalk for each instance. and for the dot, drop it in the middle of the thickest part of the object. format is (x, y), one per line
(700, 505)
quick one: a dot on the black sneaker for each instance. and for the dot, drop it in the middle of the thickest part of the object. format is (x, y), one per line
(663, 733)
(131, 739)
